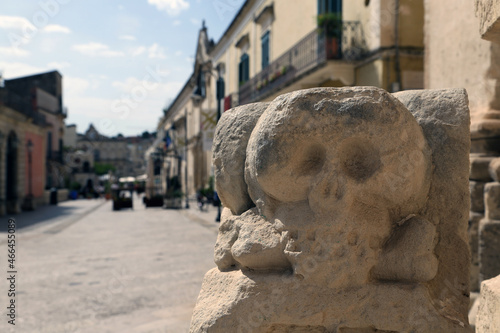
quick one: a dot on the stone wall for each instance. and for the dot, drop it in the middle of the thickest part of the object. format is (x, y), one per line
(449, 45)
(456, 56)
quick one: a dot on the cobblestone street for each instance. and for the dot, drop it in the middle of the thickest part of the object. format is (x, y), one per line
(95, 270)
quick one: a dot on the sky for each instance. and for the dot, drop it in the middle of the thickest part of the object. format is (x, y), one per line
(122, 62)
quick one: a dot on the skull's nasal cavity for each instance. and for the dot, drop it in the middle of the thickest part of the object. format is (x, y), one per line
(359, 158)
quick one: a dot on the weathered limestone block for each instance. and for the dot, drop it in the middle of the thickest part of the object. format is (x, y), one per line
(476, 196)
(488, 12)
(474, 305)
(492, 201)
(494, 169)
(229, 155)
(489, 249)
(488, 314)
(479, 167)
(485, 134)
(357, 219)
(485, 145)
(473, 232)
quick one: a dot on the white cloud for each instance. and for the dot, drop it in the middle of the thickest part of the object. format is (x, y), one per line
(156, 52)
(127, 37)
(57, 28)
(176, 22)
(172, 7)
(195, 22)
(16, 69)
(58, 65)
(74, 86)
(138, 51)
(178, 53)
(136, 106)
(12, 51)
(16, 23)
(94, 49)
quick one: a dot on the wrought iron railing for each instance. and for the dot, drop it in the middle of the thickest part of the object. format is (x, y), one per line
(55, 155)
(312, 51)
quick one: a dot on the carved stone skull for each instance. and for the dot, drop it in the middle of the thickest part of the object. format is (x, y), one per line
(326, 194)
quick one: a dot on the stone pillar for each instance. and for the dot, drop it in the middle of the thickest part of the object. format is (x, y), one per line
(488, 316)
(489, 249)
(474, 219)
(489, 231)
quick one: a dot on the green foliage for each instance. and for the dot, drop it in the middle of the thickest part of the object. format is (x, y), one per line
(174, 188)
(75, 186)
(331, 23)
(103, 168)
(107, 188)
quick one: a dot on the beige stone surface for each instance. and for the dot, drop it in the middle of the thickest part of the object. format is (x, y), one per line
(488, 12)
(492, 201)
(360, 217)
(479, 167)
(488, 315)
(456, 56)
(489, 249)
(476, 190)
(229, 151)
(494, 169)
(473, 232)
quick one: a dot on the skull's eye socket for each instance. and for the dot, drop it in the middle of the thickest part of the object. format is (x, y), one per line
(311, 160)
(359, 159)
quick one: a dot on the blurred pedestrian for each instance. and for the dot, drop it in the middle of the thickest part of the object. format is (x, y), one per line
(217, 203)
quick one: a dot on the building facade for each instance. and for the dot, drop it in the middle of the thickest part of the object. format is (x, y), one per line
(31, 129)
(276, 46)
(112, 151)
(22, 177)
(41, 95)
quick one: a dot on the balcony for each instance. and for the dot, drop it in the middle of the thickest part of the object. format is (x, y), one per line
(310, 53)
(55, 156)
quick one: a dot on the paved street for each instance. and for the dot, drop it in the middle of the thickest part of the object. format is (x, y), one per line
(89, 269)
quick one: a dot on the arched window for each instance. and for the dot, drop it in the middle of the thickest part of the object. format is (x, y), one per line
(244, 68)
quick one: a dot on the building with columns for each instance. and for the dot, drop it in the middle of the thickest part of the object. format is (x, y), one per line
(276, 46)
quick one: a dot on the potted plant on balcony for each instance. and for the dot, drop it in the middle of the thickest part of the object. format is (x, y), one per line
(330, 26)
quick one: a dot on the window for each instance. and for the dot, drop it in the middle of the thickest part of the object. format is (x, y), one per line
(86, 167)
(220, 88)
(329, 6)
(265, 50)
(200, 84)
(49, 145)
(60, 150)
(244, 69)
